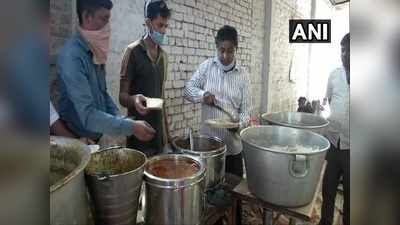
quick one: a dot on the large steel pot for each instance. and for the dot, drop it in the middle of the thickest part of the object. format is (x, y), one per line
(174, 190)
(210, 150)
(298, 120)
(68, 200)
(283, 164)
(114, 177)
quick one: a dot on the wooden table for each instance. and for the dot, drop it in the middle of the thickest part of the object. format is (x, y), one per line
(241, 193)
(213, 214)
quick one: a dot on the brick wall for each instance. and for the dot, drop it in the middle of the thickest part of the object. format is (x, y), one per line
(287, 58)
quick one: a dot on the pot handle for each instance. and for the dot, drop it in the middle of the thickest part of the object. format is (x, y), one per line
(299, 166)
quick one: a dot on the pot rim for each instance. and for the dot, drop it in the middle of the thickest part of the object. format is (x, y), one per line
(265, 116)
(217, 151)
(125, 149)
(282, 152)
(165, 182)
(62, 142)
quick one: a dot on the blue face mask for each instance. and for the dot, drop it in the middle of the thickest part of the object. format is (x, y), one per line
(158, 38)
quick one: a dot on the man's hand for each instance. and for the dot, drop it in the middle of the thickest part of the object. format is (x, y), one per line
(140, 104)
(209, 98)
(143, 131)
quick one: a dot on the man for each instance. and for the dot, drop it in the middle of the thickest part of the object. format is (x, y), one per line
(85, 105)
(221, 81)
(143, 73)
(304, 105)
(338, 156)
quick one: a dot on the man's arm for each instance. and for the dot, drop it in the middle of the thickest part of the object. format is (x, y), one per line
(127, 65)
(125, 99)
(58, 128)
(194, 87)
(110, 105)
(73, 75)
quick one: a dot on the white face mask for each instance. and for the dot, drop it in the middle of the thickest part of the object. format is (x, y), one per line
(227, 67)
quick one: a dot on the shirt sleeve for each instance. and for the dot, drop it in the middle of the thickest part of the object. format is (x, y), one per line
(127, 66)
(111, 106)
(194, 88)
(53, 115)
(246, 104)
(72, 73)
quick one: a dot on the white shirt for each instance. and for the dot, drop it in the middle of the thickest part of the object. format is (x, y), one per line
(338, 91)
(53, 115)
(232, 88)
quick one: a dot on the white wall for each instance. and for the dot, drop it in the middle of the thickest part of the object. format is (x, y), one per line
(326, 57)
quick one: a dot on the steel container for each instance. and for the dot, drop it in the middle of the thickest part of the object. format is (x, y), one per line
(283, 164)
(174, 190)
(114, 178)
(68, 199)
(300, 120)
(211, 151)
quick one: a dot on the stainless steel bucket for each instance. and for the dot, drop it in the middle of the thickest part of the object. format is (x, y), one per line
(283, 164)
(300, 120)
(174, 186)
(68, 200)
(114, 176)
(211, 151)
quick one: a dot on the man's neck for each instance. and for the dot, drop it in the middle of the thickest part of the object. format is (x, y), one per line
(150, 43)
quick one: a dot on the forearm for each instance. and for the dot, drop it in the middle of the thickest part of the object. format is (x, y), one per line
(125, 98)
(101, 122)
(193, 93)
(59, 129)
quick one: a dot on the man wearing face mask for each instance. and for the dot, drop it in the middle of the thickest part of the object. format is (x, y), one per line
(85, 105)
(143, 73)
(221, 81)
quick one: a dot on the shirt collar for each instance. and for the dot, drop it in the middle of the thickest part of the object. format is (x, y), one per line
(215, 61)
(82, 42)
(144, 49)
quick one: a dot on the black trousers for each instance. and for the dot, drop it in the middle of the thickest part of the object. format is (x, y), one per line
(234, 165)
(338, 165)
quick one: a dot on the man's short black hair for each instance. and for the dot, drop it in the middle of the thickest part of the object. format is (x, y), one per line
(91, 6)
(155, 8)
(345, 40)
(227, 33)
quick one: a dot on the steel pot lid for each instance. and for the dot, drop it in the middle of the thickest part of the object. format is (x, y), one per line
(173, 170)
(296, 120)
(203, 145)
(284, 140)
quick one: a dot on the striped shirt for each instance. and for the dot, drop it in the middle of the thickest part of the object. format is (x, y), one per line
(231, 88)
